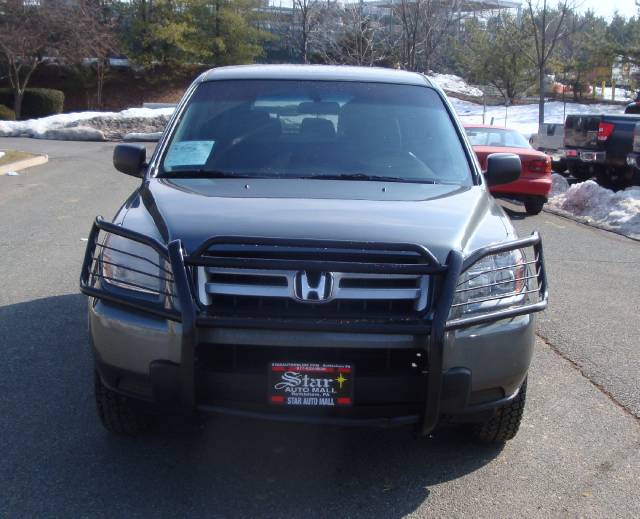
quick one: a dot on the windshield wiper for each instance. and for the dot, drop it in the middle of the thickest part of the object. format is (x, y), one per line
(375, 178)
(204, 173)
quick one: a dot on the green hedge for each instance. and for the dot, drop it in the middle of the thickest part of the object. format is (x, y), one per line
(7, 114)
(37, 102)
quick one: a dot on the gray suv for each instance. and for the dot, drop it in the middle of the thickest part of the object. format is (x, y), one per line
(313, 244)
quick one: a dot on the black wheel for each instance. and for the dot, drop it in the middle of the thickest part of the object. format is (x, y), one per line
(534, 205)
(504, 425)
(559, 166)
(615, 179)
(580, 173)
(116, 412)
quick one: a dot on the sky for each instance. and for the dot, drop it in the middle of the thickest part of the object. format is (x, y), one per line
(606, 8)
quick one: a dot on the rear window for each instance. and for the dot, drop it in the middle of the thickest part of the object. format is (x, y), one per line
(496, 137)
(301, 129)
(582, 123)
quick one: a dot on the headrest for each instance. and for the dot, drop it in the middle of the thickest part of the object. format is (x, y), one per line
(317, 127)
(365, 125)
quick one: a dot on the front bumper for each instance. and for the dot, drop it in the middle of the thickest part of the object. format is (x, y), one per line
(163, 356)
(139, 355)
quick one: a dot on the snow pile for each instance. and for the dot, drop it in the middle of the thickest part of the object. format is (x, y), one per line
(45, 127)
(589, 203)
(524, 118)
(142, 137)
(1, 154)
(454, 84)
(117, 128)
(76, 133)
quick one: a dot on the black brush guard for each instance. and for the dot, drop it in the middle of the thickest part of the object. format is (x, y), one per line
(183, 308)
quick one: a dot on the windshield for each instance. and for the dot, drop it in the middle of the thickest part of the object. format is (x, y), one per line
(316, 129)
(497, 137)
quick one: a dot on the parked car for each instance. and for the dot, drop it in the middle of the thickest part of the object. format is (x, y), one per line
(313, 244)
(598, 145)
(534, 184)
(550, 141)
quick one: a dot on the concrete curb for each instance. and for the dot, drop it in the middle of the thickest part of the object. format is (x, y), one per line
(24, 164)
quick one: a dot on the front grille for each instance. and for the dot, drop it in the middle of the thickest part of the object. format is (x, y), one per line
(362, 283)
(244, 359)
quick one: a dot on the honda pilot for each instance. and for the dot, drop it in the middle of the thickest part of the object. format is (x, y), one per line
(313, 244)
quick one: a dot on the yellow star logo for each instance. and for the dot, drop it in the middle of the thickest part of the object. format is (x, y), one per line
(341, 380)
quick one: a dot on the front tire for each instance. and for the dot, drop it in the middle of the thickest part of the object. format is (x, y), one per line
(559, 166)
(504, 425)
(534, 205)
(117, 414)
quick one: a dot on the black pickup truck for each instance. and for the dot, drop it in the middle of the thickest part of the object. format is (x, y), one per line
(598, 145)
(633, 159)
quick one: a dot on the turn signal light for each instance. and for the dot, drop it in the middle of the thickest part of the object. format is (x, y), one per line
(537, 166)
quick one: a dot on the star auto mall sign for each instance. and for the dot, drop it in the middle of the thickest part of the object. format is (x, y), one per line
(310, 385)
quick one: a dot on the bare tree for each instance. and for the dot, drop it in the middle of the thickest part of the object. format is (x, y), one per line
(25, 42)
(306, 20)
(424, 25)
(351, 35)
(439, 19)
(31, 33)
(99, 41)
(409, 13)
(362, 42)
(547, 27)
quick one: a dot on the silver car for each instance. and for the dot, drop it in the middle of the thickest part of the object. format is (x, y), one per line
(313, 244)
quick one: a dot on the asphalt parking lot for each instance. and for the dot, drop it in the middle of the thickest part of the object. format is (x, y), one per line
(577, 453)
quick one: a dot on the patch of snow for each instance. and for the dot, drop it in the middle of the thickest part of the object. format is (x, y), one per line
(39, 127)
(115, 125)
(142, 137)
(159, 105)
(524, 118)
(12, 174)
(77, 133)
(1, 154)
(622, 94)
(453, 83)
(592, 204)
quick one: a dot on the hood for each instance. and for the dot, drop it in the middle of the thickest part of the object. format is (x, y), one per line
(439, 217)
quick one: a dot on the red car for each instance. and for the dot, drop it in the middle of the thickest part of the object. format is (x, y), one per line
(534, 184)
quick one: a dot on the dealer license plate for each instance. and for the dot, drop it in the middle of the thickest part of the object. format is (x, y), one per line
(310, 384)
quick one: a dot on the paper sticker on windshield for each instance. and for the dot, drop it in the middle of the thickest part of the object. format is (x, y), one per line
(188, 153)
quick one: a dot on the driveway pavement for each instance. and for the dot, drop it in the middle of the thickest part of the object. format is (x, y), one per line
(594, 313)
(576, 455)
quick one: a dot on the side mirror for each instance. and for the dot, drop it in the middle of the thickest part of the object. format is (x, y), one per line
(502, 168)
(130, 159)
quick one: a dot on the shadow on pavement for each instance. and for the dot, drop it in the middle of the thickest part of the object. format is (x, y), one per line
(58, 459)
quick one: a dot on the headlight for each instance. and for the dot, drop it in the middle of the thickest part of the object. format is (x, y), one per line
(492, 283)
(132, 265)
